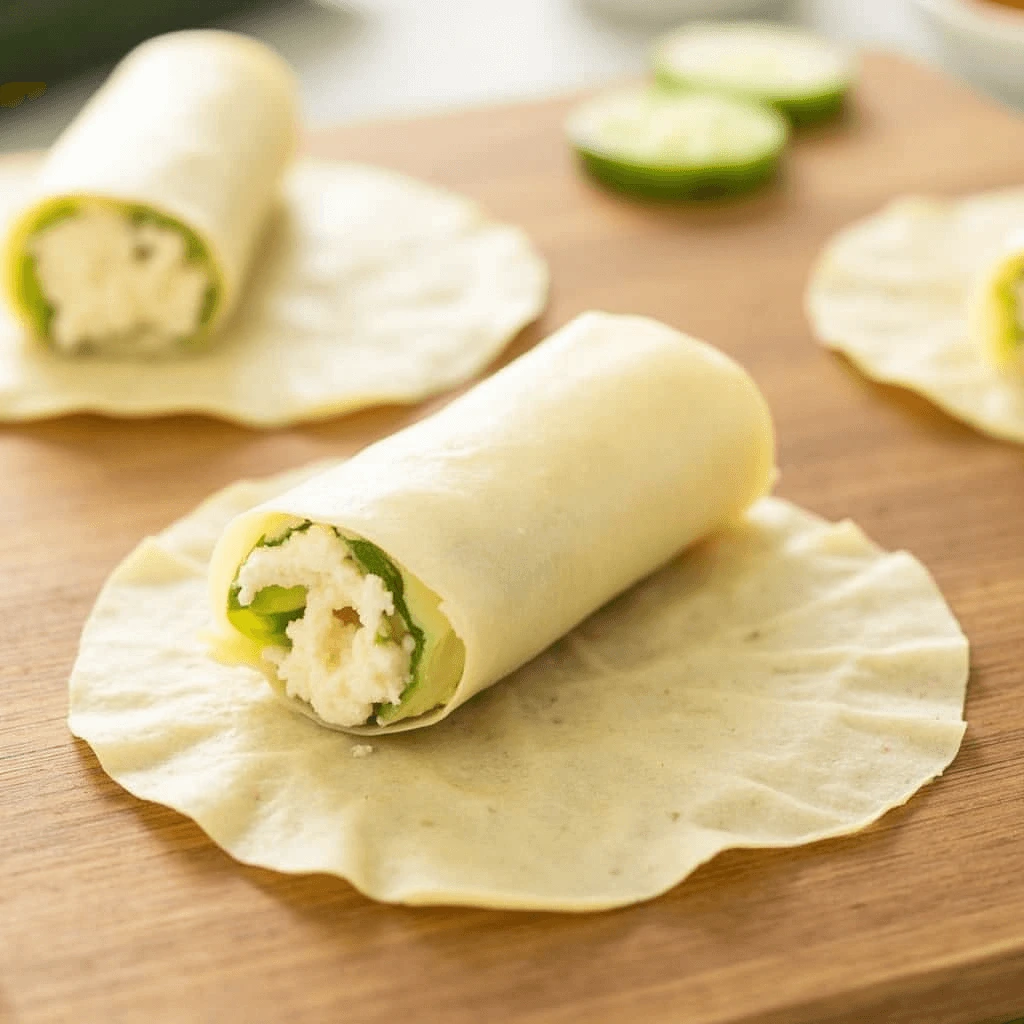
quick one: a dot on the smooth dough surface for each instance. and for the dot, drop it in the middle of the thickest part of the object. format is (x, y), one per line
(367, 287)
(544, 491)
(891, 293)
(784, 682)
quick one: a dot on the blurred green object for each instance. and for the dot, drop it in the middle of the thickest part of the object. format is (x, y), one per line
(46, 40)
(677, 145)
(800, 73)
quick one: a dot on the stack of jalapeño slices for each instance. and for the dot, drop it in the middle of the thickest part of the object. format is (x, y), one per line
(719, 115)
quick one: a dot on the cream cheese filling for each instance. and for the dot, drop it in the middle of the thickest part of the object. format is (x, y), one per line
(349, 650)
(116, 285)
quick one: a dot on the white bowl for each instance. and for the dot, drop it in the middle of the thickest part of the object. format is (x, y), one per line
(982, 41)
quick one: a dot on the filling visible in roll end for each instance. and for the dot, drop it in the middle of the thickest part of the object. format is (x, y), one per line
(114, 279)
(343, 630)
(997, 310)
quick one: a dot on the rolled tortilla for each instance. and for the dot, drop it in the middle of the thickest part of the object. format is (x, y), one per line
(382, 594)
(147, 210)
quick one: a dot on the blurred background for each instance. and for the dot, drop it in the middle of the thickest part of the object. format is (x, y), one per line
(361, 59)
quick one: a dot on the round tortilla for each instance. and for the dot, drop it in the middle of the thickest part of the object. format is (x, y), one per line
(784, 682)
(368, 287)
(891, 293)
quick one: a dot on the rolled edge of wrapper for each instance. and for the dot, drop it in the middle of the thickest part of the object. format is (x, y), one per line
(245, 531)
(994, 313)
(80, 169)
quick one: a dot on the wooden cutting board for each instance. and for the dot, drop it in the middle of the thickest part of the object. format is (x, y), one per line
(114, 910)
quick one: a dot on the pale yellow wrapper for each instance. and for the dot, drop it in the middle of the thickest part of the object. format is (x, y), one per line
(368, 287)
(906, 295)
(546, 490)
(781, 683)
(995, 313)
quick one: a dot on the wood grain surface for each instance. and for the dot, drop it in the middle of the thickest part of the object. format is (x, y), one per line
(114, 910)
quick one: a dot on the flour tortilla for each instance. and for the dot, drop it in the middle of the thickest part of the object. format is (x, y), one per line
(368, 287)
(542, 492)
(781, 683)
(892, 293)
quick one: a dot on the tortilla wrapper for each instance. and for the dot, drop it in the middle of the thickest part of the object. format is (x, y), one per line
(545, 491)
(785, 681)
(905, 295)
(197, 127)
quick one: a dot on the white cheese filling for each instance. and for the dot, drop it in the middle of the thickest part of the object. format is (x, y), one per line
(345, 655)
(116, 286)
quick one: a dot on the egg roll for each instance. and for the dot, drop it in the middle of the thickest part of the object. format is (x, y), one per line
(381, 594)
(146, 213)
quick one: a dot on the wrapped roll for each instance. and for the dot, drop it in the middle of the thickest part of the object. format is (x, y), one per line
(385, 592)
(997, 307)
(148, 208)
